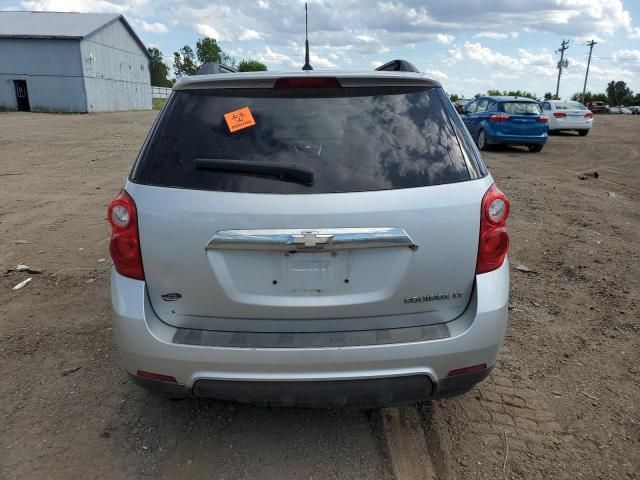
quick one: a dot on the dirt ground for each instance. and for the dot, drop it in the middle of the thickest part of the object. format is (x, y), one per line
(563, 402)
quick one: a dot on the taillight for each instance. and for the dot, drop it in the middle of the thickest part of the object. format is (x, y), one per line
(494, 239)
(559, 114)
(588, 115)
(307, 82)
(124, 246)
(543, 119)
(499, 117)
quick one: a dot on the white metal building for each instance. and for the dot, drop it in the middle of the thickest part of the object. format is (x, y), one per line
(72, 62)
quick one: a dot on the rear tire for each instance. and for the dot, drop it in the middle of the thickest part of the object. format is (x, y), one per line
(535, 148)
(482, 141)
(583, 133)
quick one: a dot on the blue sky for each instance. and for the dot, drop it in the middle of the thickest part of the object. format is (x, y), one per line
(469, 45)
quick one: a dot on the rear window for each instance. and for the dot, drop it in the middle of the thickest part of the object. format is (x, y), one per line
(570, 106)
(351, 139)
(521, 108)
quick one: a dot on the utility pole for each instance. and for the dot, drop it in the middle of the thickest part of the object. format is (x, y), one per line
(584, 89)
(563, 47)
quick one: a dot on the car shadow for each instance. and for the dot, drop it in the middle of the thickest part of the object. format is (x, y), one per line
(197, 438)
(508, 149)
(564, 133)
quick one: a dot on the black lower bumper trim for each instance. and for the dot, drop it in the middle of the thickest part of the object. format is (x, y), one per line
(161, 389)
(366, 393)
(459, 384)
(363, 393)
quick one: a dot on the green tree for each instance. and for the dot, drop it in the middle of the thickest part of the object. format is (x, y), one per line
(208, 50)
(184, 62)
(251, 66)
(158, 69)
(549, 96)
(618, 93)
(589, 97)
(494, 92)
(454, 97)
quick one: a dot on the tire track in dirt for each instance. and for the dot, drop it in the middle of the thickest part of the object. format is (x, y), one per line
(409, 447)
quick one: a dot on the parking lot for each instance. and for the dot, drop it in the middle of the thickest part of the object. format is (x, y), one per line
(563, 401)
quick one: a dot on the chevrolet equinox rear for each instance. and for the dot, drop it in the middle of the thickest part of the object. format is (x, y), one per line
(310, 240)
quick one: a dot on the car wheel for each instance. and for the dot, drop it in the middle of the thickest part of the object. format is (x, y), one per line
(583, 133)
(535, 148)
(482, 141)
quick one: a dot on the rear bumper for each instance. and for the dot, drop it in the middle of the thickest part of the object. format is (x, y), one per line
(365, 375)
(498, 137)
(570, 125)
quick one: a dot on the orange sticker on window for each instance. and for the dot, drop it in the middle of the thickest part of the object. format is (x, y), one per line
(239, 119)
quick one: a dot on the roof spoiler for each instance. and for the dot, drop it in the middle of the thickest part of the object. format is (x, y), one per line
(398, 66)
(215, 67)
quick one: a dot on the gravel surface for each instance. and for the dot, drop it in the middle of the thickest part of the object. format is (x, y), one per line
(563, 402)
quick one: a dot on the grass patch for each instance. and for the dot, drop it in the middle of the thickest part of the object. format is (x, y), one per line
(158, 103)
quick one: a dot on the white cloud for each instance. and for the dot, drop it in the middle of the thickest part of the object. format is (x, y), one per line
(475, 51)
(321, 62)
(494, 35)
(634, 33)
(437, 74)
(454, 56)
(97, 6)
(271, 57)
(249, 34)
(628, 58)
(445, 39)
(207, 31)
(153, 27)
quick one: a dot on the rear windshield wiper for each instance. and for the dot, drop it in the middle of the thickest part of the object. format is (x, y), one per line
(286, 172)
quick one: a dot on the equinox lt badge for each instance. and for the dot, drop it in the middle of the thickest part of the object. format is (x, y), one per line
(434, 297)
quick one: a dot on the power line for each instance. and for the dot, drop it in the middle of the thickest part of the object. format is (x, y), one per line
(586, 75)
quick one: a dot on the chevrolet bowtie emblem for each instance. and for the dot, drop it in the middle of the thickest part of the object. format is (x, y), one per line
(311, 239)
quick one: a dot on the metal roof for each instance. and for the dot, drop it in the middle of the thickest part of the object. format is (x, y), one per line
(69, 25)
(268, 79)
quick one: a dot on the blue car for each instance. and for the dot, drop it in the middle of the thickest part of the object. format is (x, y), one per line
(506, 120)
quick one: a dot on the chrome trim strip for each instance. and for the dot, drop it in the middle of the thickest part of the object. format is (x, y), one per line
(310, 239)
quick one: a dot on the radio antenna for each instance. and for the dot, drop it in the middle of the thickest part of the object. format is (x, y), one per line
(307, 65)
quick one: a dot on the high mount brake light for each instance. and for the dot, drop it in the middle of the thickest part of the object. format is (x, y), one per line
(500, 117)
(493, 243)
(124, 246)
(307, 82)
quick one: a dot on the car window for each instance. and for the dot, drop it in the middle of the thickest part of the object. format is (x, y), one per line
(570, 106)
(546, 106)
(352, 139)
(482, 105)
(471, 107)
(521, 108)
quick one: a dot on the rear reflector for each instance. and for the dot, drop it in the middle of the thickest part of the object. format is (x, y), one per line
(307, 82)
(156, 376)
(543, 119)
(462, 371)
(559, 114)
(499, 117)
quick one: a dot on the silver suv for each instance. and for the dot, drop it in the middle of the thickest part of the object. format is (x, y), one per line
(309, 240)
